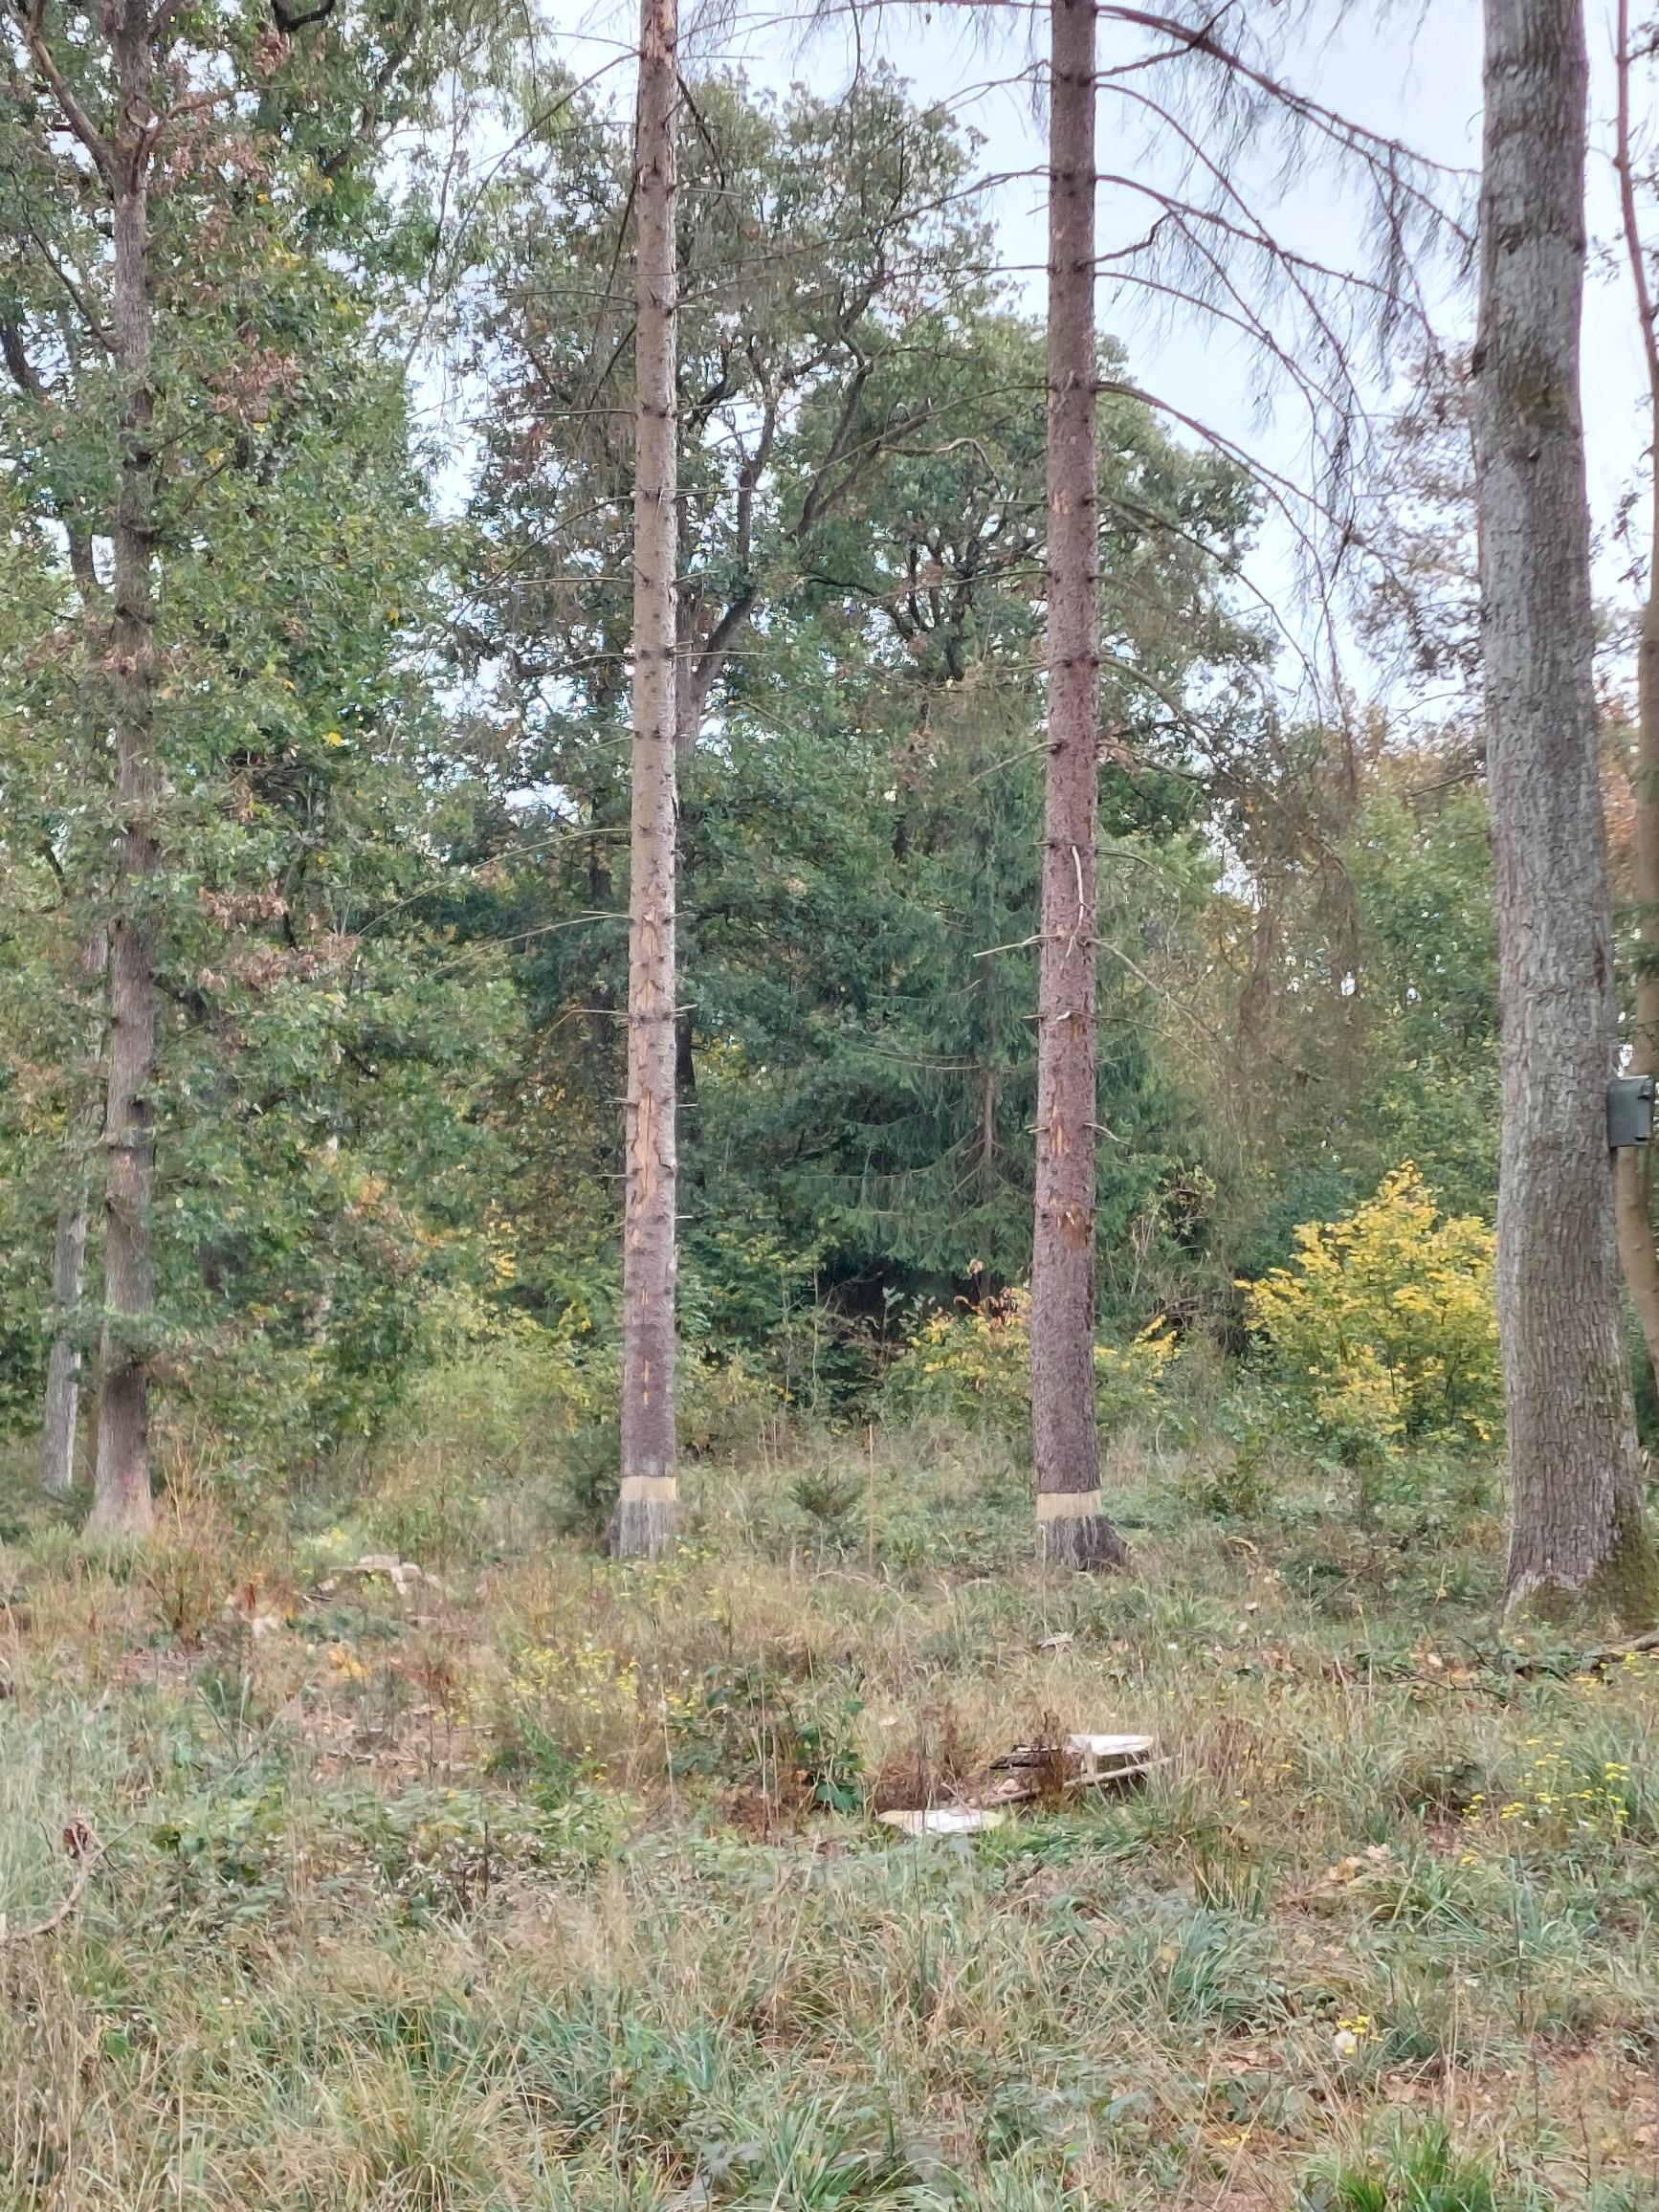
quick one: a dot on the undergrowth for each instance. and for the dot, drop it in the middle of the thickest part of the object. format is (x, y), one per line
(549, 1882)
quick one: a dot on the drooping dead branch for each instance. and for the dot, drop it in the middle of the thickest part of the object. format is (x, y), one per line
(85, 1850)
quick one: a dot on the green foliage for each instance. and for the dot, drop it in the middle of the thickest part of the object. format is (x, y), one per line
(431, 1854)
(390, 918)
(972, 1366)
(826, 1500)
(1358, 984)
(1423, 881)
(1421, 2170)
(754, 1729)
(865, 986)
(1234, 1468)
(859, 826)
(642, 1938)
(321, 1052)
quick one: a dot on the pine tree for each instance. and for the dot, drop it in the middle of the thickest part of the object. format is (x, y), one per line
(1071, 1528)
(646, 1506)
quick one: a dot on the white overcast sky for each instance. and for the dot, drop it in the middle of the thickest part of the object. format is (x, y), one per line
(1411, 72)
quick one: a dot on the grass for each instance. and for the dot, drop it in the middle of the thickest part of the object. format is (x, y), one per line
(554, 1883)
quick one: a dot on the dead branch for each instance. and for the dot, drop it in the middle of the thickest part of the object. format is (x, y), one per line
(1590, 1662)
(84, 1845)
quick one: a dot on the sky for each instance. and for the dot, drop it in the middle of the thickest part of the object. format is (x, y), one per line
(1409, 72)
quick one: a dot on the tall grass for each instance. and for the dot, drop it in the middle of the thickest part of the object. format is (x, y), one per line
(554, 1884)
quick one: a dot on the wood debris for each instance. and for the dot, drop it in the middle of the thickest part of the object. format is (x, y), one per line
(1041, 1772)
(1080, 1760)
(402, 1573)
(942, 1820)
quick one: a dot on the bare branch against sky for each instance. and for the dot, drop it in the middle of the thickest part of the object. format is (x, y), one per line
(1283, 225)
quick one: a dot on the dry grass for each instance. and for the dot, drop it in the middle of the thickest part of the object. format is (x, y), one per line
(558, 1888)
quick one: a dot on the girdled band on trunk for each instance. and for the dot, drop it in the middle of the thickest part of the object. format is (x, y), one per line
(1067, 1504)
(649, 1490)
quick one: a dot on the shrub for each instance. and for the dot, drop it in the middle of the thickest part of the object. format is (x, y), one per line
(972, 1364)
(188, 1564)
(512, 1434)
(1383, 1327)
(1420, 2170)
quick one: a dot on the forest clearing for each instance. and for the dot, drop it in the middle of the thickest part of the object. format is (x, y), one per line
(829, 1030)
(557, 1883)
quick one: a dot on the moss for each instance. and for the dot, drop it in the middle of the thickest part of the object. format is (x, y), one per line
(1627, 1583)
(1534, 390)
(1623, 1588)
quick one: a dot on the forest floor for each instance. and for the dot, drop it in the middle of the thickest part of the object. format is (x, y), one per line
(545, 1882)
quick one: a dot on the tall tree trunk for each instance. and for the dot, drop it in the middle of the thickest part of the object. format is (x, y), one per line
(1637, 1247)
(121, 1501)
(1071, 1529)
(62, 1407)
(61, 1412)
(1638, 1251)
(1576, 1532)
(647, 1506)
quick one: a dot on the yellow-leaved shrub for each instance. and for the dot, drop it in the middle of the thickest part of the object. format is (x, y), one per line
(1384, 1326)
(972, 1363)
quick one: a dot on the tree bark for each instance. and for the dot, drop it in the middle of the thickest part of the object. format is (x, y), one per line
(60, 1419)
(60, 1408)
(647, 1506)
(122, 1500)
(1071, 1529)
(1637, 1247)
(1576, 1532)
(1638, 1253)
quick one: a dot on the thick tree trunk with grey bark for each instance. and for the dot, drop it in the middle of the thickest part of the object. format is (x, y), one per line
(60, 1418)
(60, 1408)
(121, 1500)
(1638, 1251)
(646, 1508)
(1577, 1533)
(1071, 1529)
(61, 1413)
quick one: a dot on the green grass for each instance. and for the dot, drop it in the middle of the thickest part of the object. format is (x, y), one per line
(558, 1888)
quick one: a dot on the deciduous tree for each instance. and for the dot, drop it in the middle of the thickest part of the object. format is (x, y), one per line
(1577, 1530)
(1638, 1251)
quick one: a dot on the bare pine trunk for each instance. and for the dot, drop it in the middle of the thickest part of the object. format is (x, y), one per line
(1637, 1248)
(646, 1509)
(1577, 1533)
(121, 1501)
(1071, 1529)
